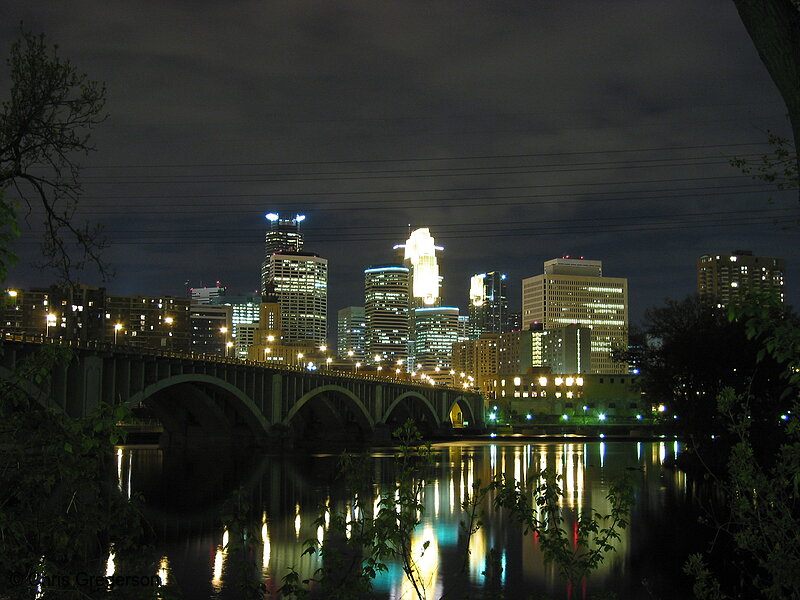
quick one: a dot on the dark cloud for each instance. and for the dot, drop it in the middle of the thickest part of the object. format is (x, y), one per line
(206, 99)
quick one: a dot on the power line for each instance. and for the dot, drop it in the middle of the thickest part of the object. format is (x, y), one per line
(427, 158)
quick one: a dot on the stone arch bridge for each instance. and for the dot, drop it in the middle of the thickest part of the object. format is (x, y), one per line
(204, 398)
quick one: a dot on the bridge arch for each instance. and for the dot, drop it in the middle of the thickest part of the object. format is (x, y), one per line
(466, 409)
(311, 415)
(330, 388)
(419, 399)
(243, 404)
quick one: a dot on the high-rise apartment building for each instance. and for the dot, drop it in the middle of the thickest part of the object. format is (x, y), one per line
(722, 278)
(283, 235)
(488, 304)
(300, 282)
(386, 310)
(351, 332)
(476, 359)
(574, 291)
(212, 330)
(148, 321)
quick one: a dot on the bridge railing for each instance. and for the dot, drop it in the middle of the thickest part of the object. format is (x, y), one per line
(96, 345)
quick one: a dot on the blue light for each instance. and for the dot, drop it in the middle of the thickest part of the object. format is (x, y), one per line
(493, 435)
(492, 417)
(381, 269)
(638, 417)
(601, 416)
(529, 416)
(784, 417)
(636, 371)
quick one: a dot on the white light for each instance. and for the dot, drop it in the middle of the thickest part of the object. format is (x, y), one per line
(272, 217)
(300, 218)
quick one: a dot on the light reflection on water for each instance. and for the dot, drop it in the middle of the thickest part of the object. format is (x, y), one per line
(288, 495)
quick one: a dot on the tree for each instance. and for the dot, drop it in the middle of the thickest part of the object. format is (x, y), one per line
(774, 27)
(691, 351)
(43, 125)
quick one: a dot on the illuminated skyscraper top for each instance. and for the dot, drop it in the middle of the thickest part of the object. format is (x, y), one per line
(283, 235)
(420, 254)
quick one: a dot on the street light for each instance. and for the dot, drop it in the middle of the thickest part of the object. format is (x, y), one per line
(228, 346)
(169, 321)
(358, 364)
(224, 331)
(299, 357)
(267, 351)
(117, 327)
(328, 362)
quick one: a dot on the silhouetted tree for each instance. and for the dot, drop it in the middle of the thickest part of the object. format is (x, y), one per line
(43, 125)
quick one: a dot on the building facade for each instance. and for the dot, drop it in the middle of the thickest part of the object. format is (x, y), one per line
(351, 332)
(212, 330)
(488, 304)
(386, 310)
(283, 235)
(574, 291)
(476, 359)
(723, 278)
(436, 332)
(300, 283)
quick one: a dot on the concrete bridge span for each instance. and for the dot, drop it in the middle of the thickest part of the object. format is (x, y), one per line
(201, 397)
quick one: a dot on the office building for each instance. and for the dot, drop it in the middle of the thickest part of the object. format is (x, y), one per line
(574, 291)
(351, 332)
(386, 310)
(207, 294)
(488, 304)
(300, 284)
(436, 332)
(419, 255)
(723, 278)
(244, 311)
(283, 235)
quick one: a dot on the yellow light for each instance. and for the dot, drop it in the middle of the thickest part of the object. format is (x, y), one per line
(329, 360)
(570, 380)
(543, 381)
(117, 326)
(517, 380)
(299, 355)
(350, 353)
(229, 345)
(559, 380)
(377, 358)
(168, 320)
(323, 348)
(223, 330)
(270, 338)
(12, 293)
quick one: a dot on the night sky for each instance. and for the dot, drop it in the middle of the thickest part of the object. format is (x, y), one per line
(516, 131)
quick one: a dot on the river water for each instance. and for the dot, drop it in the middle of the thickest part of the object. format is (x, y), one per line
(187, 494)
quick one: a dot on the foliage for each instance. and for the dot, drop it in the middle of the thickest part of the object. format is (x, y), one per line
(359, 544)
(59, 509)
(761, 489)
(690, 352)
(45, 122)
(595, 532)
(362, 540)
(778, 167)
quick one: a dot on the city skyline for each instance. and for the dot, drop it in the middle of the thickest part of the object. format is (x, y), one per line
(516, 134)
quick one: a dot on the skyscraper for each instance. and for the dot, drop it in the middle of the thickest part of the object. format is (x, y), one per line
(300, 281)
(436, 332)
(419, 255)
(488, 304)
(282, 235)
(351, 334)
(386, 309)
(722, 278)
(575, 291)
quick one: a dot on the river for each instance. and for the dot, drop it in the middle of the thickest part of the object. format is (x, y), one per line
(187, 493)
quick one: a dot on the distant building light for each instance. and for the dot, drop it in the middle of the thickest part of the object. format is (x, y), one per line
(272, 217)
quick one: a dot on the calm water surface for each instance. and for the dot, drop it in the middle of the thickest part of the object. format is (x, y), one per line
(186, 495)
